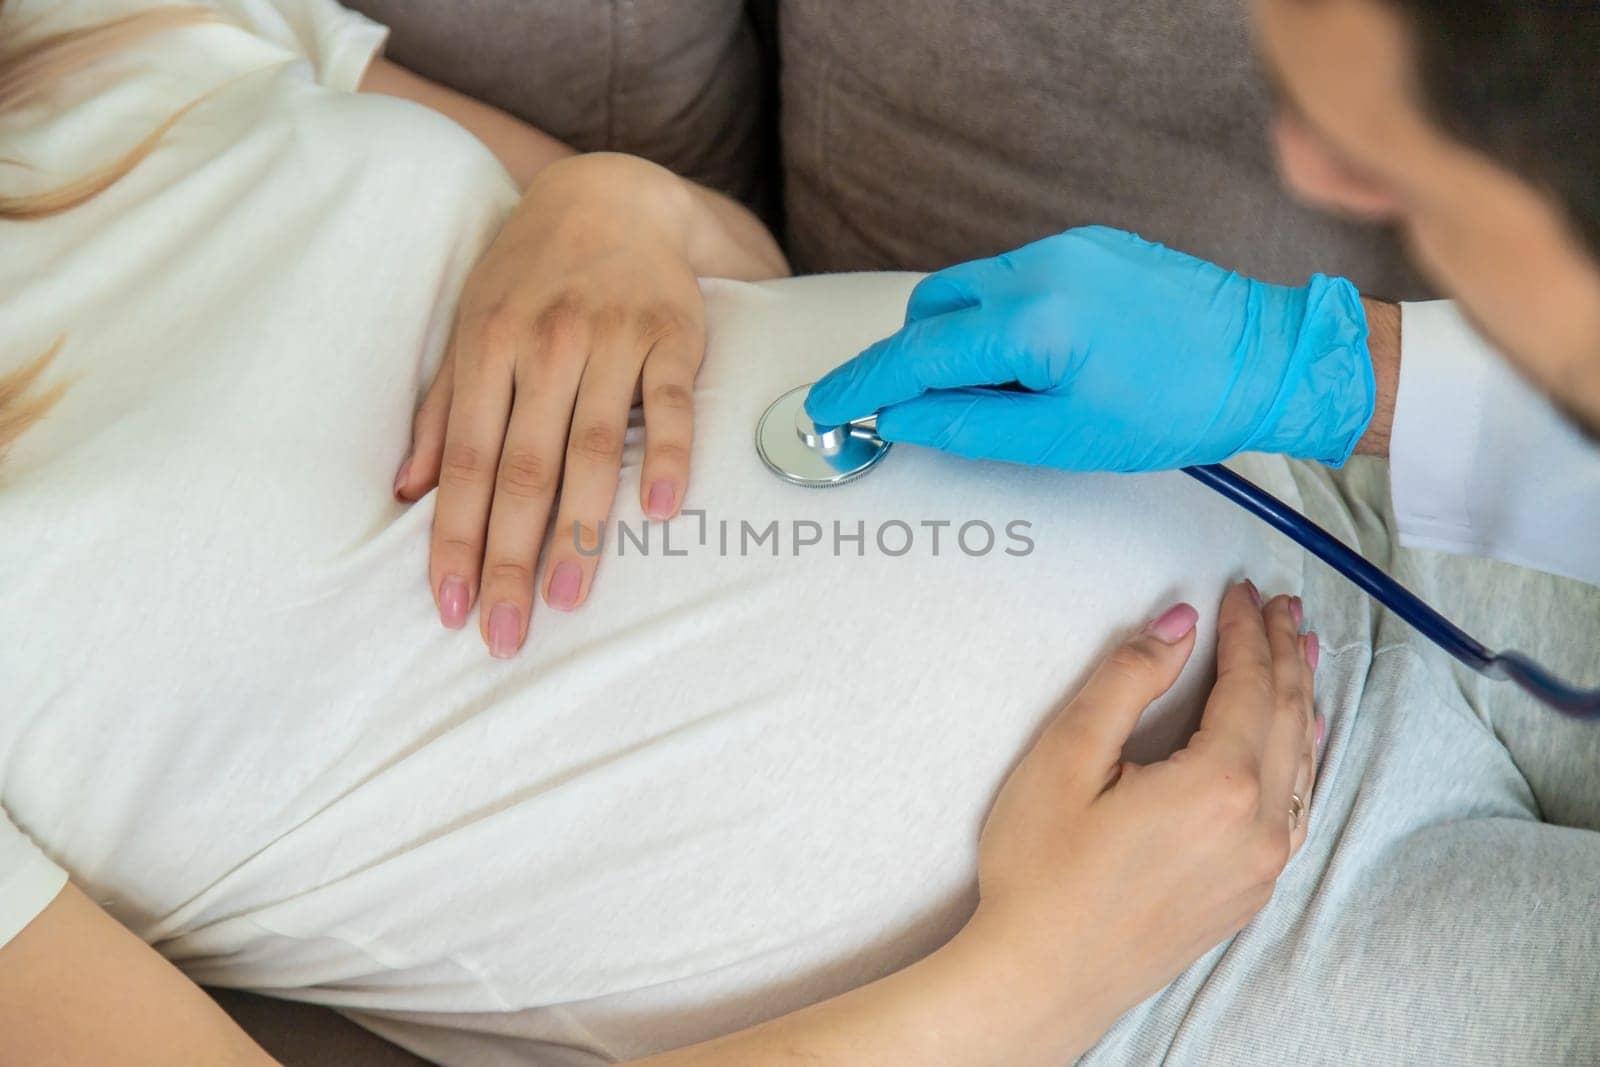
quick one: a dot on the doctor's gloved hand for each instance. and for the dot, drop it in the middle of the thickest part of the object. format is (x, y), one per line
(1130, 357)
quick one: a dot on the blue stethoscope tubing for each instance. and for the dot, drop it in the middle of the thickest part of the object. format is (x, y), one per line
(1541, 684)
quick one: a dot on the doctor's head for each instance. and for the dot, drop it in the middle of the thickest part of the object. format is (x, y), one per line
(1474, 127)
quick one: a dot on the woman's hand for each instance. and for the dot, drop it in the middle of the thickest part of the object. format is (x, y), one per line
(586, 300)
(1099, 881)
(1106, 879)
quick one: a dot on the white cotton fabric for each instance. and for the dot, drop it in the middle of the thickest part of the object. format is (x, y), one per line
(29, 881)
(731, 783)
(1480, 462)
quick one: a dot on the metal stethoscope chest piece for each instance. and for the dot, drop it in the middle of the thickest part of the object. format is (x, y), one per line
(817, 457)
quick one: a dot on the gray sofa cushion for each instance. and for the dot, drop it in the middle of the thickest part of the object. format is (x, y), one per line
(676, 81)
(919, 133)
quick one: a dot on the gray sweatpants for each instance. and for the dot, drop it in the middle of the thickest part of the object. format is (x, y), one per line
(1446, 906)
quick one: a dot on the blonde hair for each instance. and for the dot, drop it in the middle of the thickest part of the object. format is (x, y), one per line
(26, 73)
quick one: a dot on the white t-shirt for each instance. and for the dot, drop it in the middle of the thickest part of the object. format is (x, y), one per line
(749, 772)
(279, 190)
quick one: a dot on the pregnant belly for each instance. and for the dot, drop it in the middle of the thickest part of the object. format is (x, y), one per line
(773, 731)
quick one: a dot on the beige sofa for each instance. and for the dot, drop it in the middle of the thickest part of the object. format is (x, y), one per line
(892, 134)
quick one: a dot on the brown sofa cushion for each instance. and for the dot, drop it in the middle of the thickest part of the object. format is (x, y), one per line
(676, 81)
(306, 1035)
(918, 133)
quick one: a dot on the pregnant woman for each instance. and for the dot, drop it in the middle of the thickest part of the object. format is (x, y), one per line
(797, 779)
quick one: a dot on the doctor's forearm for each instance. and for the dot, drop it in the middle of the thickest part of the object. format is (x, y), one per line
(1383, 342)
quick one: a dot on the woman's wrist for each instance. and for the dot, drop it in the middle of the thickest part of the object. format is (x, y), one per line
(717, 237)
(601, 190)
(726, 240)
(973, 1002)
(1039, 988)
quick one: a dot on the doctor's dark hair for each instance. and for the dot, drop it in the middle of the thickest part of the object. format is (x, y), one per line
(1518, 80)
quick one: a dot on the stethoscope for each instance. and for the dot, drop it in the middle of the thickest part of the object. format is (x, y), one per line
(818, 457)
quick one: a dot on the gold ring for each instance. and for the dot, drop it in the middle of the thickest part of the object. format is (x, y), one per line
(1297, 809)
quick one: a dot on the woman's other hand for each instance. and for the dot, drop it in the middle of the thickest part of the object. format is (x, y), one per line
(1105, 879)
(586, 300)
(1099, 881)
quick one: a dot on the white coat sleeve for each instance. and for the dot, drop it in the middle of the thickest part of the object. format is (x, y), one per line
(1481, 462)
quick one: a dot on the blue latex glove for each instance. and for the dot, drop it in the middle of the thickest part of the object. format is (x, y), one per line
(1131, 357)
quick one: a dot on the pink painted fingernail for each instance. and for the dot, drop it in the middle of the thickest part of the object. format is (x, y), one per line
(564, 584)
(1255, 594)
(1297, 611)
(1322, 731)
(505, 627)
(453, 602)
(662, 495)
(400, 478)
(1313, 650)
(1177, 621)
